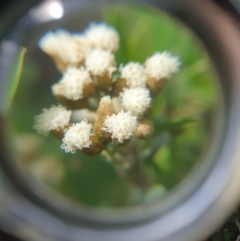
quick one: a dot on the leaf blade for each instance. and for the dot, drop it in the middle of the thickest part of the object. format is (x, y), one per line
(15, 79)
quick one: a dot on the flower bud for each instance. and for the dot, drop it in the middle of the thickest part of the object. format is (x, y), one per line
(101, 64)
(144, 129)
(159, 68)
(104, 110)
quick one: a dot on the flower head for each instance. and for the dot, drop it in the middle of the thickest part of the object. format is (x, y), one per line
(51, 42)
(74, 52)
(144, 128)
(135, 74)
(69, 49)
(72, 83)
(99, 62)
(77, 137)
(103, 36)
(162, 65)
(121, 125)
(54, 118)
(136, 100)
(105, 106)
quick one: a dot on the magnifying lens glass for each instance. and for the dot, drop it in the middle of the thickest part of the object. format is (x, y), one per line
(119, 120)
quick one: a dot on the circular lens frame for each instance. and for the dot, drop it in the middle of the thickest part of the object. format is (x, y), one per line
(195, 209)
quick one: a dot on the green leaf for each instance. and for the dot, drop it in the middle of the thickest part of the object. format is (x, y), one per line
(15, 79)
(175, 124)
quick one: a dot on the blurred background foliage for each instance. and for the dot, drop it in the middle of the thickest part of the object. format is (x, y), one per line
(183, 115)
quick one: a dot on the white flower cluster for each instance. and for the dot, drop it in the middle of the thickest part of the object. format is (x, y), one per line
(71, 49)
(55, 118)
(80, 57)
(87, 62)
(121, 126)
(135, 74)
(102, 36)
(77, 137)
(67, 48)
(72, 83)
(100, 61)
(162, 65)
(136, 100)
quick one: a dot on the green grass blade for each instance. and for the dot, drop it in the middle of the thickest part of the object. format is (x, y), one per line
(15, 79)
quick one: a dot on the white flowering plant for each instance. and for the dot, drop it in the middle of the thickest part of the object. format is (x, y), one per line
(121, 95)
(122, 101)
(128, 108)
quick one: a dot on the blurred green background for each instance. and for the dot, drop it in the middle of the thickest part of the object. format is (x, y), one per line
(183, 114)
